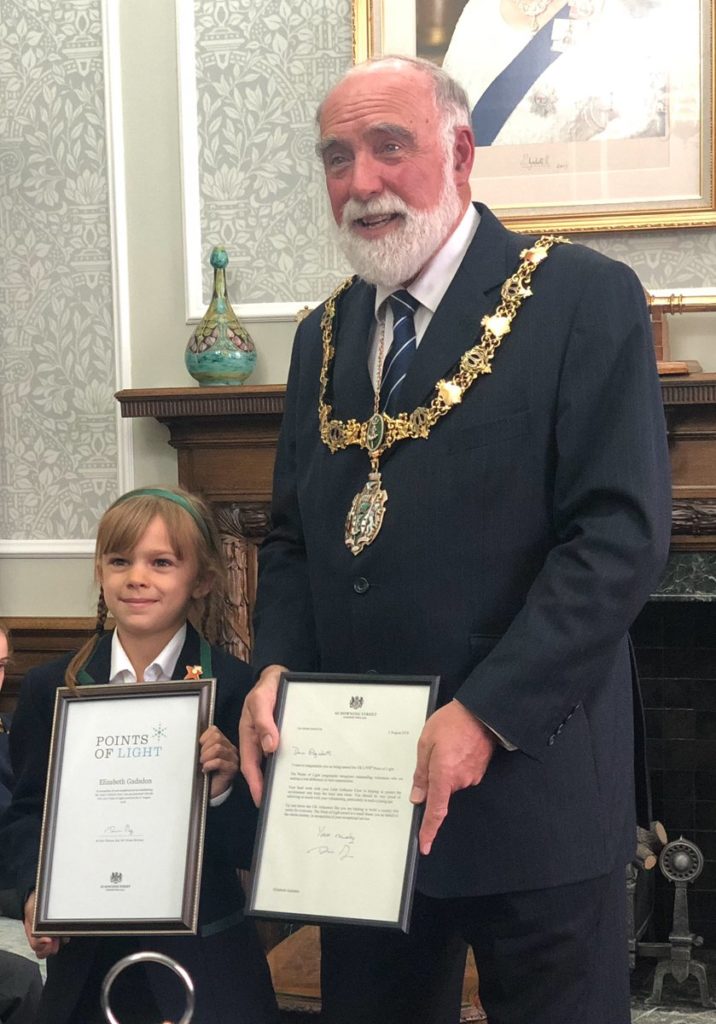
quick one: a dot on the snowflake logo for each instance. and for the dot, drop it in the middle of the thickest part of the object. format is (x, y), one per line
(159, 732)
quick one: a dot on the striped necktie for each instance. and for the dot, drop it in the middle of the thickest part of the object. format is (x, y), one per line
(401, 352)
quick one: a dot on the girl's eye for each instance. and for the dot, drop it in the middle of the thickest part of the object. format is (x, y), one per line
(163, 562)
(117, 560)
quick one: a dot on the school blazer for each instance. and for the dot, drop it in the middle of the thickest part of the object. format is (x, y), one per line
(229, 827)
(519, 543)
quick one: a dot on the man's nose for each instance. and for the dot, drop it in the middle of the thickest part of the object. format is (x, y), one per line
(366, 178)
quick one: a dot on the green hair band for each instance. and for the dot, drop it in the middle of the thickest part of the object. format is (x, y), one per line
(177, 499)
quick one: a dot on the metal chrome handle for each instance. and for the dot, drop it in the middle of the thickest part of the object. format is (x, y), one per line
(157, 958)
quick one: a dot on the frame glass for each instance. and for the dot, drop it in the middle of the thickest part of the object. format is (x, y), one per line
(337, 834)
(604, 119)
(125, 810)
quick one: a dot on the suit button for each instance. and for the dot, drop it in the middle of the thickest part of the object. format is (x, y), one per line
(550, 741)
(559, 728)
(361, 585)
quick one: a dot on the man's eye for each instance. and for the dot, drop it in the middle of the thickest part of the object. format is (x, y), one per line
(335, 160)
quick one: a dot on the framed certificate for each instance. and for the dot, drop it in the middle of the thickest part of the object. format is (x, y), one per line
(125, 810)
(337, 834)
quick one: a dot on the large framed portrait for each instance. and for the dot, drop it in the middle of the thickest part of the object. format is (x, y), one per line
(589, 115)
(125, 810)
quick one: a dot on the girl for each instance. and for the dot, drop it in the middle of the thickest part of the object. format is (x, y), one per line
(158, 563)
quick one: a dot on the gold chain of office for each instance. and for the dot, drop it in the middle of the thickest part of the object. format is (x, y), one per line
(380, 432)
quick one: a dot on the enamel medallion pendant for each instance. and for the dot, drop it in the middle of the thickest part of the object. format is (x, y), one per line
(365, 517)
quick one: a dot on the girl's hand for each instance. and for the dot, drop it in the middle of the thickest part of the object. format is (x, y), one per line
(41, 945)
(220, 757)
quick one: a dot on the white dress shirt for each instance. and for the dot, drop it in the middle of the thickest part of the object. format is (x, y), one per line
(428, 288)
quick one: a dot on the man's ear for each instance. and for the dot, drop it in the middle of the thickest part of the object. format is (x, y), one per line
(463, 155)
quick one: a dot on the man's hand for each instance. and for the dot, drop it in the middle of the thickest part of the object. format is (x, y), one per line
(220, 757)
(41, 945)
(454, 751)
(258, 734)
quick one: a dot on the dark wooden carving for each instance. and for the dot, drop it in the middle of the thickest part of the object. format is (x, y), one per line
(241, 528)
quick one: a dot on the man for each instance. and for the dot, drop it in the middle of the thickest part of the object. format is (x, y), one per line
(524, 522)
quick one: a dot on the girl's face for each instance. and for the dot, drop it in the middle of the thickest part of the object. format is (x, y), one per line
(4, 656)
(149, 589)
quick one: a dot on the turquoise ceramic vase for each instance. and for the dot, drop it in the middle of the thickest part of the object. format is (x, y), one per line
(220, 351)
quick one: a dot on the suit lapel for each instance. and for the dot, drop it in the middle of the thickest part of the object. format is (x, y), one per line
(492, 256)
(99, 665)
(351, 390)
(189, 654)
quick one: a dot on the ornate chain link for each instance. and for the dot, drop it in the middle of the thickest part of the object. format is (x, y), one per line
(381, 432)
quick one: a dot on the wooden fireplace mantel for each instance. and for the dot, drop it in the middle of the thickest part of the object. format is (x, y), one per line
(225, 437)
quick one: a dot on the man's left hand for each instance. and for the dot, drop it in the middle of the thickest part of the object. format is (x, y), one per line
(220, 757)
(454, 751)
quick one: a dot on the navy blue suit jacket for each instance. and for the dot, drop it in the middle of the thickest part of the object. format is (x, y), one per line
(519, 543)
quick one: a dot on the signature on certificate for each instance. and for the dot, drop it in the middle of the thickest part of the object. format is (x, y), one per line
(336, 844)
(117, 830)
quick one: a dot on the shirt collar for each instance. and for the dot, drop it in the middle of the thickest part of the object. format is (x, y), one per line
(435, 278)
(160, 670)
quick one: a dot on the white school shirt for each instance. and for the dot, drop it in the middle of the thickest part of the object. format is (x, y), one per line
(160, 671)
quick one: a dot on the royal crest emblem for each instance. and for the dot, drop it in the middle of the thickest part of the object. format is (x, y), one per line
(356, 703)
(116, 877)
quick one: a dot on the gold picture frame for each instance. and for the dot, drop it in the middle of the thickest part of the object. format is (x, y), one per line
(627, 175)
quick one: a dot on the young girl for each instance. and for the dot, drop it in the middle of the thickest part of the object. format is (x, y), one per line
(158, 563)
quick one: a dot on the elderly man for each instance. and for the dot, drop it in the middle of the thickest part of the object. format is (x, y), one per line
(513, 517)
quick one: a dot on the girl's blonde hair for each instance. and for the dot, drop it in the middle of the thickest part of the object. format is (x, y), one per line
(192, 529)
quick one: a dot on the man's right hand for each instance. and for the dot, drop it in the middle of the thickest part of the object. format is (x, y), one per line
(258, 734)
(41, 945)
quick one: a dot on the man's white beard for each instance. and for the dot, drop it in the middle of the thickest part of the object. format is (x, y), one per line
(398, 257)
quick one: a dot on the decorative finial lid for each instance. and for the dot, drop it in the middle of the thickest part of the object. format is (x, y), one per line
(219, 259)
